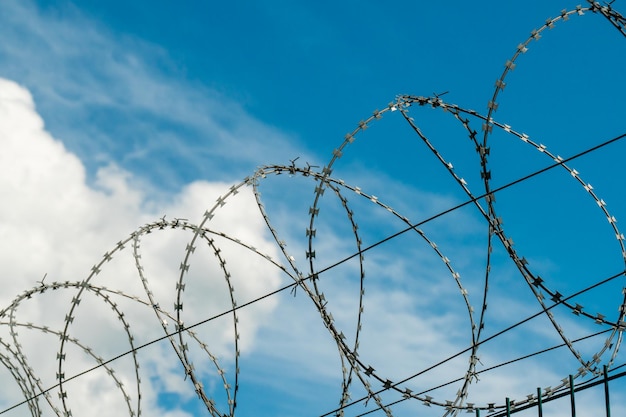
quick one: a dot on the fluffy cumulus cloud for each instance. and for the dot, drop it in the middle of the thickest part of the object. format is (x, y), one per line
(54, 225)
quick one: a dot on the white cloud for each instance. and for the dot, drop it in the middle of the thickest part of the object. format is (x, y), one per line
(54, 223)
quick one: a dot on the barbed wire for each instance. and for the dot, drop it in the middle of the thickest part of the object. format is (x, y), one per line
(184, 225)
(305, 279)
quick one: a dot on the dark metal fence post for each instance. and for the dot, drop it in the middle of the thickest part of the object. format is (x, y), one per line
(606, 392)
(571, 395)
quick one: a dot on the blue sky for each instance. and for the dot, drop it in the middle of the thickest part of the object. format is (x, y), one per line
(116, 114)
